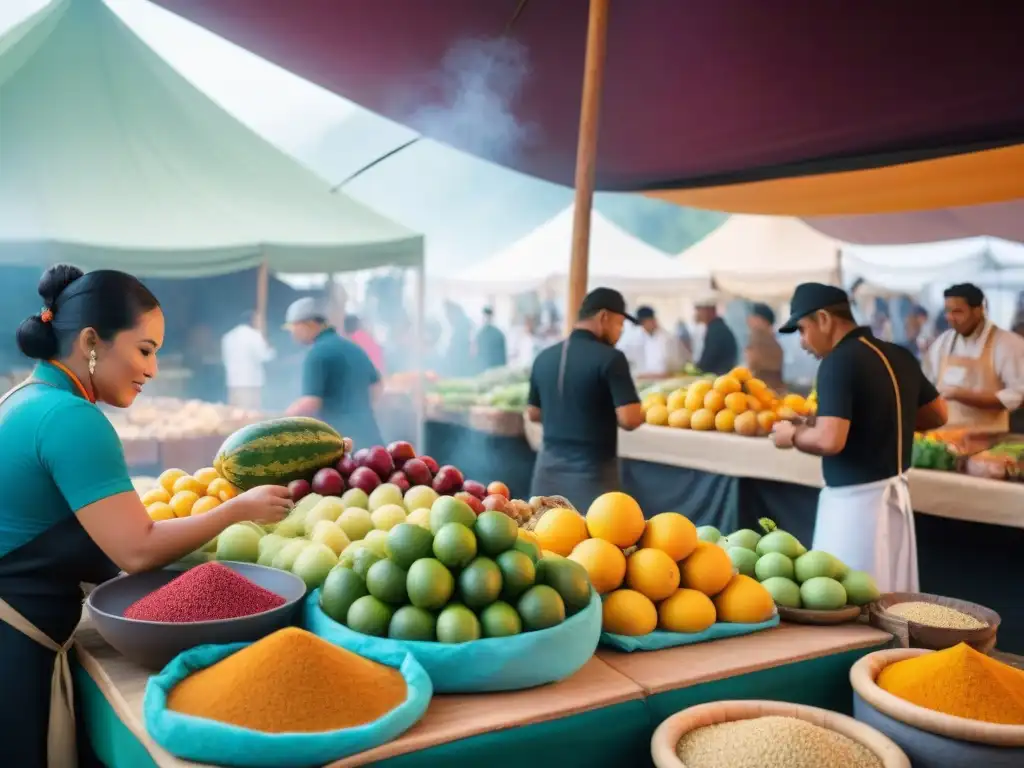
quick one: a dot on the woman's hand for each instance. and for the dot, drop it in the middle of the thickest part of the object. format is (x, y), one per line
(263, 504)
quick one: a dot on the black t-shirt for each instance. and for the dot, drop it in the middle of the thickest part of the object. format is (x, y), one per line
(340, 373)
(580, 423)
(854, 384)
(720, 348)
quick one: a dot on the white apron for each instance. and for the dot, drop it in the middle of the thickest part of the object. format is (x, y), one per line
(978, 373)
(870, 526)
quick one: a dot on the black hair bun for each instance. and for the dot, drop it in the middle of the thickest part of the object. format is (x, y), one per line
(55, 280)
(36, 339)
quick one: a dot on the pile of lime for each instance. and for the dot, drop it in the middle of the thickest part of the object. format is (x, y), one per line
(795, 577)
(463, 578)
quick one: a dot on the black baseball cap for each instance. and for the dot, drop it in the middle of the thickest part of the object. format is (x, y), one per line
(809, 298)
(764, 312)
(645, 313)
(607, 299)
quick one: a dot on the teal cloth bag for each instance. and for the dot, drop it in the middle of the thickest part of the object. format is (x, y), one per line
(209, 741)
(658, 640)
(490, 664)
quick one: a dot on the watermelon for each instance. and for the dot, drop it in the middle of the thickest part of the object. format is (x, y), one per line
(277, 451)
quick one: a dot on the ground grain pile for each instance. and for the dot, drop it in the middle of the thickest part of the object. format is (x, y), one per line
(207, 592)
(935, 615)
(772, 742)
(959, 681)
(291, 682)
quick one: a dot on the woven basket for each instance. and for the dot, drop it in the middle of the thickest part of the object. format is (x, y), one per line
(496, 421)
(911, 634)
(668, 734)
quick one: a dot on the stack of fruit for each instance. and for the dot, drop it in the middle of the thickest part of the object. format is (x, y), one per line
(736, 402)
(654, 574)
(795, 577)
(451, 576)
(166, 418)
(179, 494)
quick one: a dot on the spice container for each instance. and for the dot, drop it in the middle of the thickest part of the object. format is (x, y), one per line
(152, 644)
(668, 735)
(915, 634)
(931, 739)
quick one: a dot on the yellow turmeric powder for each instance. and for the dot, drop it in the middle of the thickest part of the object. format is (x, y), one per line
(959, 681)
(291, 681)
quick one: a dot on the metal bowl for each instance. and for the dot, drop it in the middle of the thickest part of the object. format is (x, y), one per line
(152, 644)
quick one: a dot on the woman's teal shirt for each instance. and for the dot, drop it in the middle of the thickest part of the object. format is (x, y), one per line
(58, 454)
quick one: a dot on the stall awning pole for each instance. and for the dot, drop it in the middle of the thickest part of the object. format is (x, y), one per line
(262, 286)
(586, 155)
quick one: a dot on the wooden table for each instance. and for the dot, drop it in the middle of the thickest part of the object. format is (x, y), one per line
(610, 706)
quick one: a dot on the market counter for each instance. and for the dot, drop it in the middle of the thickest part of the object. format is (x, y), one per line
(602, 716)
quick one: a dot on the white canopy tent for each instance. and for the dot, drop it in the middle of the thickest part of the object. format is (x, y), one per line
(110, 158)
(762, 258)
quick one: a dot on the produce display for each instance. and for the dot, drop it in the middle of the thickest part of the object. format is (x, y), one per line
(794, 576)
(931, 452)
(736, 402)
(1003, 461)
(772, 742)
(959, 681)
(168, 418)
(208, 592)
(291, 682)
(653, 574)
(935, 615)
(505, 388)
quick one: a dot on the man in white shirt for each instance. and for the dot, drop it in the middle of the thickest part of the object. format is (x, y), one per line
(976, 366)
(245, 351)
(652, 351)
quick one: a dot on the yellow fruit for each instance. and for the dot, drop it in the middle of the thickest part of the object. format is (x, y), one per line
(188, 483)
(736, 402)
(206, 475)
(694, 399)
(680, 419)
(753, 404)
(746, 424)
(724, 420)
(765, 419)
(754, 386)
(560, 530)
(615, 517)
(205, 504)
(605, 563)
(153, 495)
(160, 510)
(766, 396)
(169, 477)
(676, 400)
(528, 535)
(657, 415)
(744, 601)
(652, 573)
(703, 420)
(626, 612)
(785, 413)
(182, 503)
(796, 402)
(701, 386)
(708, 569)
(672, 533)
(727, 385)
(221, 489)
(741, 374)
(714, 401)
(655, 398)
(686, 611)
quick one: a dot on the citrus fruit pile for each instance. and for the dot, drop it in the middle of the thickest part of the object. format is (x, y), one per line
(736, 402)
(179, 494)
(451, 576)
(795, 577)
(652, 574)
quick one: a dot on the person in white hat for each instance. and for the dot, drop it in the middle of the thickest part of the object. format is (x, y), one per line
(720, 350)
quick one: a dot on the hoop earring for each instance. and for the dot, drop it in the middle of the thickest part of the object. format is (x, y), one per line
(92, 362)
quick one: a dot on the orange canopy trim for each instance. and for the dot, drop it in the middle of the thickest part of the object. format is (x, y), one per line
(975, 178)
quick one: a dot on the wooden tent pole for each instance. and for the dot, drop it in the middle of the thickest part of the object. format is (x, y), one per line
(586, 155)
(262, 286)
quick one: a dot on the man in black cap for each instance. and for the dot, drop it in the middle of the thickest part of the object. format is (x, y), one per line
(582, 392)
(872, 397)
(764, 353)
(489, 345)
(977, 367)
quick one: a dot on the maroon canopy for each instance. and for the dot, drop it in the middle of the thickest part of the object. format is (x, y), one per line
(697, 93)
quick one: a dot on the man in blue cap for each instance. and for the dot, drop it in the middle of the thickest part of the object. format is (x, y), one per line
(872, 397)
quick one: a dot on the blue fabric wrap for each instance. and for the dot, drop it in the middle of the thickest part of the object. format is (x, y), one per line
(657, 640)
(490, 664)
(209, 741)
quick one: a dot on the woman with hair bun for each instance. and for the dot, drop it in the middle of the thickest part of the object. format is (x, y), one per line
(70, 513)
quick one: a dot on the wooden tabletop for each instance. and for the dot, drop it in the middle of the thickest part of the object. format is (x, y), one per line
(607, 679)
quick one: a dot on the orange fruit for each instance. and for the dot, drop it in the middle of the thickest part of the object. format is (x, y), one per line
(206, 475)
(686, 611)
(694, 399)
(657, 415)
(714, 401)
(169, 477)
(746, 424)
(221, 489)
(736, 402)
(753, 404)
(652, 573)
(744, 601)
(703, 420)
(603, 561)
(615, 517)
(560, 530)
(725, 420)
(680, 419)
(205, 504)
(766, 396)
(672, 533)
(727, 385)
(154, 495)
(765, 419)
(160, 510)
(702, 386)
(627, 612)
(741, 374)
(188, 483)
(676, 400)
(708, 569)
(796, 402)
(182, 502)
(754, 386)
